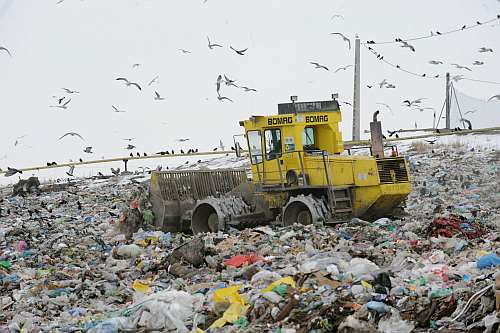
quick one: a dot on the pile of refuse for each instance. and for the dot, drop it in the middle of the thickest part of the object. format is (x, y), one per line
(84, 257)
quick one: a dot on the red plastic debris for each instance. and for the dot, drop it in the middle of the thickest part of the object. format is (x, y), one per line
(453, 225)
(240, 260)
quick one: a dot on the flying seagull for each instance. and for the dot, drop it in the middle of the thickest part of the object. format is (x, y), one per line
(248, 89)
(184, 51)
(457, 78)
(347, 40)
(18, 138)
(129, 147)
(88, 150)
(485, 49)
(129, 139)
(386, 105)
(435, 62)
(158, 97)
(422, 109)
(128, 83)
(334, 16)
(478, 63)
(409, 103)
(64, 106)
(383, 83)
(72, 134)
(471, 111)
(181, 140)
(318, 65)
(497, 97)
(406, 44)
(69, 91)
(116, 109)
(115, 172)
(219, 80)
(223, 98)
(135, 65)
(59, 101)
(212, 45)
(462, 67)
(240, 52)
(70, 171)
(2, 48)
(342, 68)
(229, 82)
(154, 80)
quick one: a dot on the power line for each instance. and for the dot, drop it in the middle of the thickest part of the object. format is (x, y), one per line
(482, 81)
(437, 34)
(381, 58)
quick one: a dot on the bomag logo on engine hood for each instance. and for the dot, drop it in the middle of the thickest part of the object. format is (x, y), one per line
(288, 120)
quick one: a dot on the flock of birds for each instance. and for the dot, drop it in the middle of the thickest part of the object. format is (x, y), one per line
(64, 102)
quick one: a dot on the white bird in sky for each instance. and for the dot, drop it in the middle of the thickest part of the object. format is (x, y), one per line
(457, 78)
(63, 106)
(184, 51)
(158, 97)
(347, 40)
(318, 65)
(18, 138)
(407, 45)
(69, 91)
(239, 52)
(435, 62)
(88, 150)
(182, 139)
(212, 45)
(478, 63)
(334, 16)
(224, 98)
(116, 109)
(485, 49)
(471, 111)
(2, 48)
(497, 97)
(129, 83)
(229, 82)
(72, 134)
(462, 67)
(342, 68)
(154, 80)
(386, 105)
(248, 89)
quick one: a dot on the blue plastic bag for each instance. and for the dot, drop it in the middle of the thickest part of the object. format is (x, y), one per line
(488, 260)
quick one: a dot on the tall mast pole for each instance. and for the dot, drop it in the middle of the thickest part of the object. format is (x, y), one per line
(356, 114)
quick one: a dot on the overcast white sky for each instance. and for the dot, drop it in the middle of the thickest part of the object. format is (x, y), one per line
(85, 45)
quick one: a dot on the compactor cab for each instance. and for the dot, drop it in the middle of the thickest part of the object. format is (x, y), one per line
(300, 174)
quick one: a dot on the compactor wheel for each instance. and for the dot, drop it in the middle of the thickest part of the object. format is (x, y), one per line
(211, 214)
(304, 210)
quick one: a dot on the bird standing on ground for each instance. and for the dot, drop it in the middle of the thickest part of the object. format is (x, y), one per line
(239, 52)
(115, 172)
(212, 45)
(317, 65)
(347, 40)
(72, 134)
(129, 83)
(12, 171)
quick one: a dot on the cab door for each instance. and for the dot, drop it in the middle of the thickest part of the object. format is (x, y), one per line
(273, 156)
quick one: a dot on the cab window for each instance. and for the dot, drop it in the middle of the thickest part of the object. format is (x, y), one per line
(273, 143)
(308, 140)
(255, 146)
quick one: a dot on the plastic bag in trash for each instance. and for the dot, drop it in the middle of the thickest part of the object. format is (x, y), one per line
(394, 324)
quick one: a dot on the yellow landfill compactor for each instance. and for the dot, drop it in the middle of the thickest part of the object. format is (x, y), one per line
(300, 174)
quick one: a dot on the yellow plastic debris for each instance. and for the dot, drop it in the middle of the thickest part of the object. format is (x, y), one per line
(229, 295)
(366, 285)
(141, 286)
(286, 280)
(235, 311)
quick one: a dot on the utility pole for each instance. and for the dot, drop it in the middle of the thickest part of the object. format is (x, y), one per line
(356, 113)
(448, 101)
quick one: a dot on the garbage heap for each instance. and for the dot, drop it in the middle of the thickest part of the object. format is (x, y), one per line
(85, 259)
